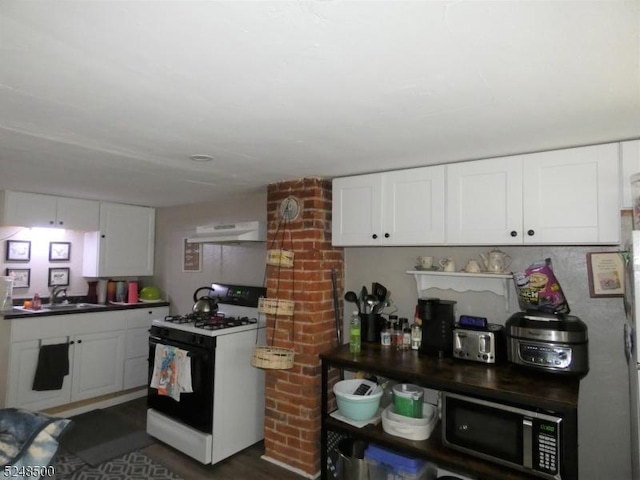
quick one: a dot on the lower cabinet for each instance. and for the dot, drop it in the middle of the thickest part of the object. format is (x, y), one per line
(136, 364)
(97, 343)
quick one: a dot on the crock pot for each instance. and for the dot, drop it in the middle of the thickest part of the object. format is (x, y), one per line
(548, 342)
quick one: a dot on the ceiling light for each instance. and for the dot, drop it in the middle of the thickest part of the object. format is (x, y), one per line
(201, 158)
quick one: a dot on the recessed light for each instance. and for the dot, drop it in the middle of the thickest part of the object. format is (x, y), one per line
(201, 158)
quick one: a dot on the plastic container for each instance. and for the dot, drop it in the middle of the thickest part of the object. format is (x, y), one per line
(385, 464)
(408, 400)
(407, 427)
(357, 407)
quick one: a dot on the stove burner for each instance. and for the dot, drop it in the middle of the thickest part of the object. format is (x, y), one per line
(208, 321)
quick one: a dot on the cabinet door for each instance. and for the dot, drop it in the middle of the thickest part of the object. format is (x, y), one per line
(125, 244)
(413, 206)
(484, 202)
(98, 364)
(28, 209)
(77, 214)
(356, 210)
(23, 360)
(571, 196)
(630, 155)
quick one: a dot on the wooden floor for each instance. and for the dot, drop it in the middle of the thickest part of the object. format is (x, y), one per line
(246, 464)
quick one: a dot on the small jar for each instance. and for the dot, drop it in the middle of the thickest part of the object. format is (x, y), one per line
(385, 335)
(416, 336)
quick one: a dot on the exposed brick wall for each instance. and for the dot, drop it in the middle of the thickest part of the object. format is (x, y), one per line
(292, 417)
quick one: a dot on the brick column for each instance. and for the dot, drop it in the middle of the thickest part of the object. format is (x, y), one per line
(292, 416)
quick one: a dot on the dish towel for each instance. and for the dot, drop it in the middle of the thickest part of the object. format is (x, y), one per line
(52, 367)
(171, 371)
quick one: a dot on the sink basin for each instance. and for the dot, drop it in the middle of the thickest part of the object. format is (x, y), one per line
(71, 306)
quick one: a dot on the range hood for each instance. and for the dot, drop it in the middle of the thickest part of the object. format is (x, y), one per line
(230, 233)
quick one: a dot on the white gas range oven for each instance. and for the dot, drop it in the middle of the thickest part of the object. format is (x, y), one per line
(225, 412)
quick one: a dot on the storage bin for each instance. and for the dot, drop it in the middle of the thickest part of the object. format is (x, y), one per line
(387, 465)
(410, 428)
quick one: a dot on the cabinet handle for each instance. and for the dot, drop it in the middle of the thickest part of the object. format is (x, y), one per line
(102, 236)
(71, 342)
(61, 222)
(514, 233)
(531, 233)
(79, 341)
(374, 236)
(51, 222)
(386, 235)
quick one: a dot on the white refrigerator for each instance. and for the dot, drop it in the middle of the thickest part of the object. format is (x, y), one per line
(632, 343)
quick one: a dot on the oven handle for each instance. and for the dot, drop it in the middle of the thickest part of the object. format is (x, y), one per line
(198, 353)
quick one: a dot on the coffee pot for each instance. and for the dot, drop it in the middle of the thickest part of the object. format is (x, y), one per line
(496, 261)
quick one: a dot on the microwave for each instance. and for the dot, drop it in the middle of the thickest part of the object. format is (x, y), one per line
(526, 440)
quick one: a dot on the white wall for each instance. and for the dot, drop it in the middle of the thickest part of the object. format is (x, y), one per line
(236, 264)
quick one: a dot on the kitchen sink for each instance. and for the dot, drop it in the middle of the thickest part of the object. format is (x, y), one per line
(71, 306)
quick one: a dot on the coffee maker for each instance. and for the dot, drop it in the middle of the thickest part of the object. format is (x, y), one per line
(438, 319)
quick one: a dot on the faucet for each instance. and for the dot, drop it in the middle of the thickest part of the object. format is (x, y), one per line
(59, 295)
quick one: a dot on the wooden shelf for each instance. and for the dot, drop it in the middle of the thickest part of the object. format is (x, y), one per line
(463, 282)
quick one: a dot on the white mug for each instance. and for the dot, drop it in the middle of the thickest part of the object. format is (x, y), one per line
(425, 262)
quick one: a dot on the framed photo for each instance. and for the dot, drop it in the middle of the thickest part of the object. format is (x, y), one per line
(606, 274)
(21, 277)
(59, 251)
(18, 251)
(58, 276)
(191, 256)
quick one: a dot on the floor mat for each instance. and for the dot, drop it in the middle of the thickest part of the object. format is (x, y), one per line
(99, 435)
(133, 465)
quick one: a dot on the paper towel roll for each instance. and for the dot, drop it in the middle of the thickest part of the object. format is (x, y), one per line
(102, 291)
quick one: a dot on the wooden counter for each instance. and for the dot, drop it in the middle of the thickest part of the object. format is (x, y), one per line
(502, 383)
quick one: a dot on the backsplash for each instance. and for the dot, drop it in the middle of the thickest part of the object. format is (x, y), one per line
(37, 267)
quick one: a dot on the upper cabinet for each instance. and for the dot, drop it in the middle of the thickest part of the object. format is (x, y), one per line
(124, 246)
(404, 207)
(557, 197)
(630, 155)
(37, 210)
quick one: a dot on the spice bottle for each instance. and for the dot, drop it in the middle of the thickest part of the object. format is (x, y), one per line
(406, 335)
(416, 336)
(36, 303)
(385, 335)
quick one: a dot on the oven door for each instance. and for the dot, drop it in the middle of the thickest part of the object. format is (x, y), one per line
(194, 409)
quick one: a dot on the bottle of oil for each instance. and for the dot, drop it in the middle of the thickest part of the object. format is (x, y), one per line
(355, 333)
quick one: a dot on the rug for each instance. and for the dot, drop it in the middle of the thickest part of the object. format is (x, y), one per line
(130, 466)
(99, 435)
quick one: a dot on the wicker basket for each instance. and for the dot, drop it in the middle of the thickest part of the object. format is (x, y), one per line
(274, 306)
(272, 358)
(280, 258)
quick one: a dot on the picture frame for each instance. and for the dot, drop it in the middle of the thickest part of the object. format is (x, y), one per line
(59, 276)
(21, 277)
(191, 256)
(606, 274)
(18, 251)
(59, 251)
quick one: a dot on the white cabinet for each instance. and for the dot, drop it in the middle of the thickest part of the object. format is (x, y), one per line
(557, 197)
(97, 364)
(404, 207)
(630, 155)
(137, 347)
(96, 357)
(124, 246)
(36, 210)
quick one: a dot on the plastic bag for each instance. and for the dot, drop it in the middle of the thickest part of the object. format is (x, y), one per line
(538, 289)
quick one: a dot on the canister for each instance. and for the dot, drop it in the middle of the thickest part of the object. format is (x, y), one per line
(408, 399)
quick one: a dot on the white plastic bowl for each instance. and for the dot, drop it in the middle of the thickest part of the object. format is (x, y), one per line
(357, 407)
(408, 427)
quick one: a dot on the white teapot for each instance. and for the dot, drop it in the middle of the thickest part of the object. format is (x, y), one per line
(496, 261)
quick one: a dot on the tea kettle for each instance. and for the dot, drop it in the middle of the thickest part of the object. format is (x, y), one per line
(206, 304)
(496, 261)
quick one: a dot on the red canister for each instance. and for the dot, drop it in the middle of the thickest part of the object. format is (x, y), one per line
(133, 292)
